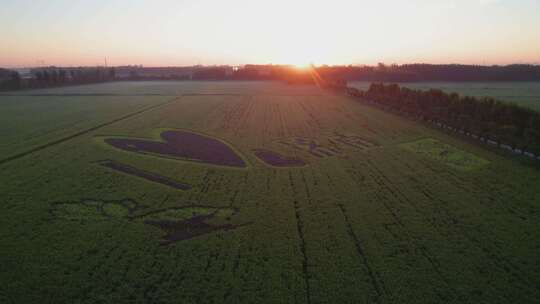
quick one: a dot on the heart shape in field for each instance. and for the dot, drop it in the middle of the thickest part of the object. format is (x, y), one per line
(183, 145)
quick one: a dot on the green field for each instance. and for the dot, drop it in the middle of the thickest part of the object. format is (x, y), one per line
(445, 153)
(384, 211)
(523, 93)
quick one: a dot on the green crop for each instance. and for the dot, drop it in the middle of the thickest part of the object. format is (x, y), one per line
(385, 210)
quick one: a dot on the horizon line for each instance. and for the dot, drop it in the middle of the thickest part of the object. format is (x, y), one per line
(264, 64)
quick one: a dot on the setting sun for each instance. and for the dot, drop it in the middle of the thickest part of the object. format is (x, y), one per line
(302, 66)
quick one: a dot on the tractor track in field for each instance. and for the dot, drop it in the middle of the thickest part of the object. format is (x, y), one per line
(394, 192)
(380, 289)
(300, 228)
(86, 131)
(491, 251)
(498, 260)
(382, 195)
(379, 286)
(375, 279)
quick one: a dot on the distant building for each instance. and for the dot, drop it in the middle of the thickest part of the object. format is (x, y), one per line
(25, 73)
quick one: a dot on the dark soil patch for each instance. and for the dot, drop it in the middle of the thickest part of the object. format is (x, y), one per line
(275, 159)
(185, 223)
(184, 145)
(177, 223)
(153, 177)
(184, 230)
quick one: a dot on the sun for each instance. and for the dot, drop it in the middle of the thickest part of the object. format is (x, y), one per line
(300, 56)
(302, 66)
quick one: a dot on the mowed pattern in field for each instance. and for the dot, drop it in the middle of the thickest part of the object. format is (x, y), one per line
(364, 221)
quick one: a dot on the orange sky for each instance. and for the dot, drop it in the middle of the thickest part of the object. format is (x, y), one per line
(167, 32)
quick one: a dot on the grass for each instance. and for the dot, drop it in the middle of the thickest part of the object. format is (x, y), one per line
(372, 222)
(78, 211)
(28, 122)
(91, 209)
(447, 154)
(523, 93)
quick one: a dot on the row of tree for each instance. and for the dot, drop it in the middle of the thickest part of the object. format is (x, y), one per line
(52, 76)
(499, 122)
(9, 80)
(55, 76)
(433, 72)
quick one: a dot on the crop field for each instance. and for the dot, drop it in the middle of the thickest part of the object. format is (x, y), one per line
(431, 148)
(29, 122)
(523, 93)
(233, 192)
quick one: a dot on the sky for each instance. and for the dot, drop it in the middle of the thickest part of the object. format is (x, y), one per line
(186, 32)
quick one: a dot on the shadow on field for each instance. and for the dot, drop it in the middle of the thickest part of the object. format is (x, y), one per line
(146, 175)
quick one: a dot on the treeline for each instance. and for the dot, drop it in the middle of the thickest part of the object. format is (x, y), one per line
(254, 72)
(9, 80)
(431, 72)
(52, 76)
(247, 72)
(68, 76)
(285, 73)
(498, 123)
(58, 76)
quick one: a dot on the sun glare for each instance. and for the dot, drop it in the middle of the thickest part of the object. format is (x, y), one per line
(301, 66)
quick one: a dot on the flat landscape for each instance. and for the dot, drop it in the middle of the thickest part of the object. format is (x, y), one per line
(525, 93)
(253, 192)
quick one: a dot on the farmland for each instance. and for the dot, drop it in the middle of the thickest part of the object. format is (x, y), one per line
(523, 93)
(229, 192)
